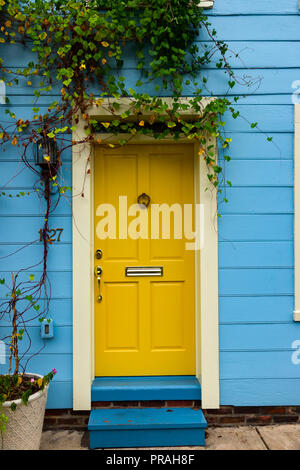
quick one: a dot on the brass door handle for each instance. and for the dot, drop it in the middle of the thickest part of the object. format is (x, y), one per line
(98, 272)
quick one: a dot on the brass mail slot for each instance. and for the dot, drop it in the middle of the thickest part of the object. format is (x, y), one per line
(143, 271)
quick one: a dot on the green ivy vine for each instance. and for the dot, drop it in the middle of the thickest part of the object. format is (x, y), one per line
(79, 51)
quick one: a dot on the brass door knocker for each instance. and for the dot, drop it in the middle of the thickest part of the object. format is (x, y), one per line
(143, 199)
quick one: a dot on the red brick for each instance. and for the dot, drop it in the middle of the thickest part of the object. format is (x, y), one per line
(50, 422)
(57, 412)
(101, 404)
(273, 410)
(125, 404)
(224, 410)
(212, 420)
(180, 403)
(153, 404)
(71, 421)
(285, 419)
(246, 410)
(197, 403)
(79, 413)
(294, 409)
(232, 419)
(259, 420)
(61, 427)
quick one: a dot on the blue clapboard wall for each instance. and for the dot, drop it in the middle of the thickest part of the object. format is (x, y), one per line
(20, 220)
(255, 230)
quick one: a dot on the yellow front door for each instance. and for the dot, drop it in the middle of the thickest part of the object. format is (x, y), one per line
(144, 324)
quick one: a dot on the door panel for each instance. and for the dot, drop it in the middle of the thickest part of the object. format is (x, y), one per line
(167, 316)
(167, 168)
(122, 324)
(121, 174)
(144, 325)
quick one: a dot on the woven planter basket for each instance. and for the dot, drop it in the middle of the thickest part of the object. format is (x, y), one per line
(25, 424)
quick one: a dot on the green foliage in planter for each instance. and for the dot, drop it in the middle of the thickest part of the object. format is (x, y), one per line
(19, 386)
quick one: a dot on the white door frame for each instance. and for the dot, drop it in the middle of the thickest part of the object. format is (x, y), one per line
(206, 265)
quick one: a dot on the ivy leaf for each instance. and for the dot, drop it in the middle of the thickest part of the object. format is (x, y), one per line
(25, 396)
(13, 406)
(171, 124)
(105, 124)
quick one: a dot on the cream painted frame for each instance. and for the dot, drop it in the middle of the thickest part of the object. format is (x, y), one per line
(296, 314)
(206, 265)
(206, 4)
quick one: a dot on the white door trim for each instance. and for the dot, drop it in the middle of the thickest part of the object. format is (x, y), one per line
(207, 315)
(296, 313)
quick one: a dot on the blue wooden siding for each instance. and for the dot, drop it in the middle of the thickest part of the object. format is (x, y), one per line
(256, 227)
(255, 230)
(21, 219)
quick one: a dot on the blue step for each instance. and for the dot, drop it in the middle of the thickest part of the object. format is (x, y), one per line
(146, 388)
(146, 427)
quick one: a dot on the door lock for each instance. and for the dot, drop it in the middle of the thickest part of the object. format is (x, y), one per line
(99, 254)
(98, 272)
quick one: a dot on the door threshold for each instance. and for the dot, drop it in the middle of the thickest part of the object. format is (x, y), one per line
(171, 387)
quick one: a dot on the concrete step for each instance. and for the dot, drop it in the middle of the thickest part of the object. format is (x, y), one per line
(146, 427)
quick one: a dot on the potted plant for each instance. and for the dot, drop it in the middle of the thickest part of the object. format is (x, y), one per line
(23, 395)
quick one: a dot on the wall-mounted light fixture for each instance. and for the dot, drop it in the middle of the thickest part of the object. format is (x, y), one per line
(46, 152)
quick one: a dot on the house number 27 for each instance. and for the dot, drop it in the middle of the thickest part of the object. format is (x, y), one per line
(53, 234)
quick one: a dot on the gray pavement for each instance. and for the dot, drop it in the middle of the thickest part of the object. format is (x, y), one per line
(279, 437)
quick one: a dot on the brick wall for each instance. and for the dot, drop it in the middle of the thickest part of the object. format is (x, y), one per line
(247, 416)
(224, 416)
